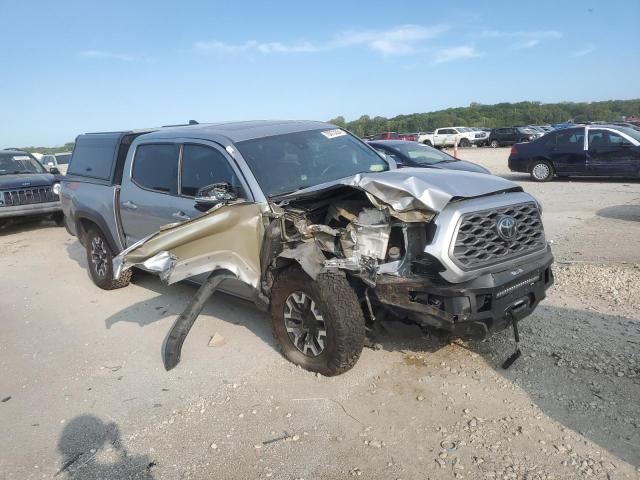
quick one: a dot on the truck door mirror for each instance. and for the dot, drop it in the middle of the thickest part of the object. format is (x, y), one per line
(211, 195)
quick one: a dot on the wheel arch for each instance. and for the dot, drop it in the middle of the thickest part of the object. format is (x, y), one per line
(87, 219)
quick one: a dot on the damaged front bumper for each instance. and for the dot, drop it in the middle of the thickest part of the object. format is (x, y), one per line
(472, 309)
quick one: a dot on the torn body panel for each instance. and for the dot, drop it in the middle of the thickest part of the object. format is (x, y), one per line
(228, 237)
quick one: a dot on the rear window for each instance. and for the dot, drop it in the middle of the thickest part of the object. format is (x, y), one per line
(93, 155)
(63, 158)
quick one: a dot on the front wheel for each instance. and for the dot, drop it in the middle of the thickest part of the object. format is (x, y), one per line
(541, 171)
(464, 143)
(494, 144)
(99, 260)
(318, 323)
(58, 218)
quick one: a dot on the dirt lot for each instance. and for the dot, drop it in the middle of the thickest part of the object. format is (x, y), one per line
(84, 394)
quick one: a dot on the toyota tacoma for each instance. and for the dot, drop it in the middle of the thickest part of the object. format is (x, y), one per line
(312, 225)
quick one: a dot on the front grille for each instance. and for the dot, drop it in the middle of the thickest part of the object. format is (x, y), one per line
(27, 196)
(478, 244)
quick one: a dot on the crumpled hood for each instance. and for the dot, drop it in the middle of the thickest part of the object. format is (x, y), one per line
(407, 189)
(12, 182)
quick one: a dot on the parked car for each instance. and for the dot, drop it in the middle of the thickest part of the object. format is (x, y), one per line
(311, 224)
(499, 137)
(394, 136)
(26, 188)
(563, 125)
(447, 137)
(414, 154)
(592, 150)
(57, 160)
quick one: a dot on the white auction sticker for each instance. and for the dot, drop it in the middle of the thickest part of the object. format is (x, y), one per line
(336, 132)
(21, 158)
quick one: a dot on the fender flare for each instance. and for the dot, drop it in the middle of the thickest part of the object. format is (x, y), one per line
(91, 215)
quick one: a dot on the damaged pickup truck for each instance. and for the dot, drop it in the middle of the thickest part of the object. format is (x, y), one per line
(313, 226)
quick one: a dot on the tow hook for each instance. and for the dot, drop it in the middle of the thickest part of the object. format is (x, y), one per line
(513, 313)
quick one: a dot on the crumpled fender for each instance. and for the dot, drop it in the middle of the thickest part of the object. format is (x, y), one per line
(226, 238)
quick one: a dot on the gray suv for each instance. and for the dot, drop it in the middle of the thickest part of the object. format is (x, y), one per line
(311, 224)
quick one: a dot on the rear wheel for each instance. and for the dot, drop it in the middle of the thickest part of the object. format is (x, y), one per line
(541, 171)
(318, 323)
(494, 144)
(99, 261)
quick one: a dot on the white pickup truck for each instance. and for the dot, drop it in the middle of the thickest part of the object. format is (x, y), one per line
(447, 137)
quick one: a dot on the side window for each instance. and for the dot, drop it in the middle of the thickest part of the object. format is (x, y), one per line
(573, 139)
(155, 166)
(616, 140)
(202, 166)
(597, 138)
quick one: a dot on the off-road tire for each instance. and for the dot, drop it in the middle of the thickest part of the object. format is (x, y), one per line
(541, 164)
(342, 314)
(464, 143)
(105, 280)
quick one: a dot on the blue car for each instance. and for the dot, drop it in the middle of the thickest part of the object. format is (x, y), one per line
(27, 189)
(587, 151)
(414, 154)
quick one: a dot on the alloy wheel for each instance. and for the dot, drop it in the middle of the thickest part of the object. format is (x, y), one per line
(305, 324)
(541, 171)
(99, 256)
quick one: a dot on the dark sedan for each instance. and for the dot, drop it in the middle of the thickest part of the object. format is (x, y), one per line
(414, 154)
(588, 151)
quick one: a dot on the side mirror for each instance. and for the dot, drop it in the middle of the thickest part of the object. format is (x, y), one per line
(54, 170)
(214, 194)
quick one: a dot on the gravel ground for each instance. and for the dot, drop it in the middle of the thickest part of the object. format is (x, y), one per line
(84, 395)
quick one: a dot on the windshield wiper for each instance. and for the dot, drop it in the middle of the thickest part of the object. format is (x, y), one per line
(15, 172)
(284, 194)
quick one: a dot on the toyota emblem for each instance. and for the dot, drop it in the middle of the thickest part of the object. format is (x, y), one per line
(506, 227)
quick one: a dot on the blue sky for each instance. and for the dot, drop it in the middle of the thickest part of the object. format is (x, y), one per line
(74, 66)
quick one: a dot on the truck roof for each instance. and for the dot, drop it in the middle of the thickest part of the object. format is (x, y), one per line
(238, 131)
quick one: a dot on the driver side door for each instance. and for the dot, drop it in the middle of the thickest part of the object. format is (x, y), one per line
(610, 154)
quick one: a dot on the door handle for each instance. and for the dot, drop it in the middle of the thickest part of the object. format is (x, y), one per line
(129, 205)
(180, 216)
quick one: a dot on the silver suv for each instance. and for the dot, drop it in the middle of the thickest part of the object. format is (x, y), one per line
(311, 224)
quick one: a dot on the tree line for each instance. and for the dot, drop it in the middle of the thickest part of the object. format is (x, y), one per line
(67, 147)
(493, 116)
(475, 115)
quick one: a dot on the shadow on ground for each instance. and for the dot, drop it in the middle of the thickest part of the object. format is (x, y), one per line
(92, 449)
(630, 213)
(563, 378)
(17, 225)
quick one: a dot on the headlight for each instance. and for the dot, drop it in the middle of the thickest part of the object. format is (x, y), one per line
(56, 188)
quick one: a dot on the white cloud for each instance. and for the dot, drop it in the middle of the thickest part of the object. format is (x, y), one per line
(585, 51)
(402, 40)
(252, 45)
(455, 53)
(525, 39)
(112, 56)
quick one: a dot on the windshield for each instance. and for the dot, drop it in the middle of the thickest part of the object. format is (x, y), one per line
(290, 162)
(422, 153)
(11, 163)
(632, 132)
